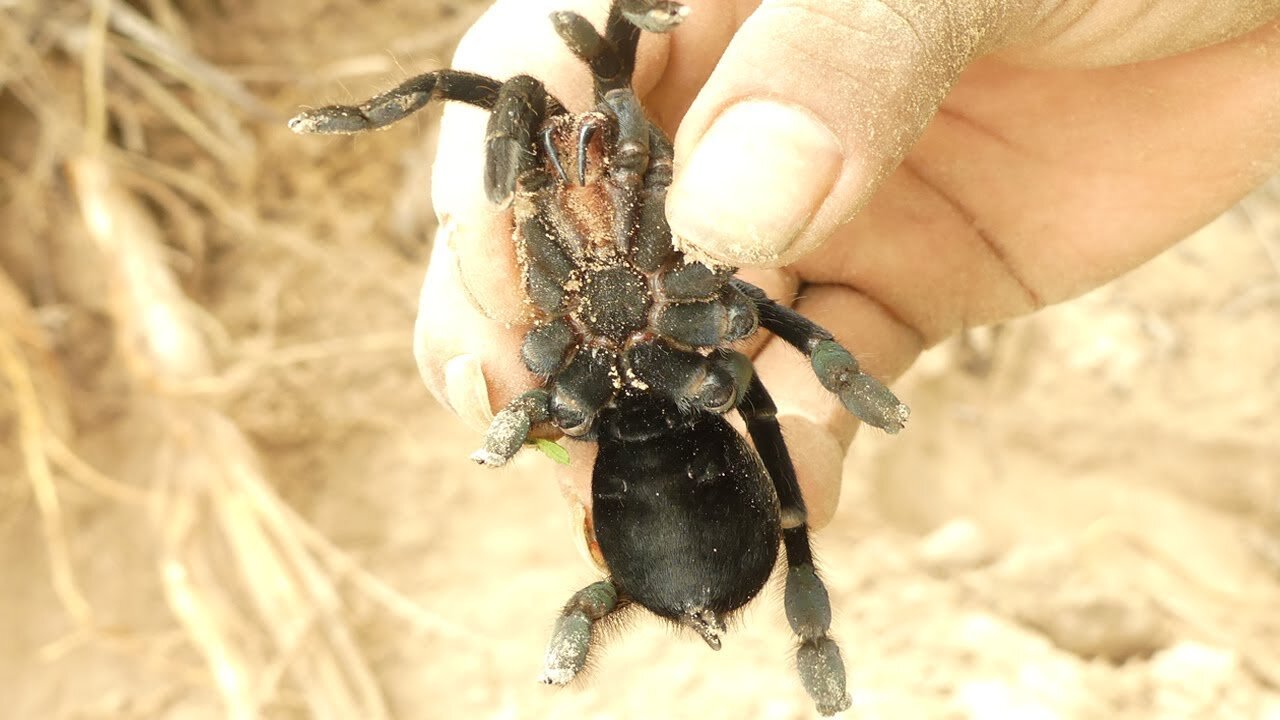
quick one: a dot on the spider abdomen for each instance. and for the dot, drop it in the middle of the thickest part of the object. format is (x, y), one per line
(687, 520)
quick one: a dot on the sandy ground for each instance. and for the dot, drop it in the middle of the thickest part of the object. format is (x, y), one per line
(1082, 521)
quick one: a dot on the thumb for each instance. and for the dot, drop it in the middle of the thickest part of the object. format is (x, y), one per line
(811, 105)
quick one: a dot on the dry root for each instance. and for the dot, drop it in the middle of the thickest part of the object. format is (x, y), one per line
(253, 587)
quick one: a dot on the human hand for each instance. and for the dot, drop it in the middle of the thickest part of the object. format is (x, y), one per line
(895, 172)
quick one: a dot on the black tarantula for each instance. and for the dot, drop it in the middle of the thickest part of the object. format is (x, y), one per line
(634, 343)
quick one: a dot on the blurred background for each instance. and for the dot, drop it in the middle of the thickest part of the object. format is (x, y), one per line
(225, 494)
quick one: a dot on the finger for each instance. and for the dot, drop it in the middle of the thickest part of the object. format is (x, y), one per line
(941, 272)
(1113, 32)
(468, 362)
(692, 52)
(1003, 208)
(813, 102)
(575, 485)
(1080, 175)
(817, 427)
(818, 456)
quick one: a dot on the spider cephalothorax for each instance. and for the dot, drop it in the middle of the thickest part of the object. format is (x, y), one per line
(633, 342)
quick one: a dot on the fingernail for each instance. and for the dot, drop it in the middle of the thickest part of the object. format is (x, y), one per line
(467, 392)
(584, 536)
(753, 182)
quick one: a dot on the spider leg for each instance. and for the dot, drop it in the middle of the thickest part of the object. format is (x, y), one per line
(628, 17)
(661, 160)
(612, 61)
(612, 57)
(835, 367)
(547, 265)
(652, 247)
(399, 102)
(630, 155)
(571, 638)
(546, 347)
(510, 150)
(726, 317)
(510, 427)
(608, 67)
(582, 388)
(807, 604)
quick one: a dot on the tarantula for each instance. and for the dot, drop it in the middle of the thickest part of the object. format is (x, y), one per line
(633, 342)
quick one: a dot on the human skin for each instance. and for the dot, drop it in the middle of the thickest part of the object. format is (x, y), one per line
(895, 170)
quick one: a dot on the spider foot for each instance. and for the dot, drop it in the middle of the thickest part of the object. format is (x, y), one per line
(330, 120)
(571, 639)
(398, 103)
(818, 660)
(822, 673)
(510, 428)
(567, 651)
(656, 16)
(862, 394)
(488, 458)
(378, 111)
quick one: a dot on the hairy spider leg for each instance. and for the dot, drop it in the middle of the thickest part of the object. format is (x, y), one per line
(572, 399)
(611, 57)
(582, 389)
(399, 102)
(546, 347)
(806, 602)
(726, 317)
(407, 98)
(577, 392)
(547, 262)
(509, 429)
(623, 36)
(837, 370)
(651, 245)
(510, 152)
(628, 17)
(661, 161)
(571, 639)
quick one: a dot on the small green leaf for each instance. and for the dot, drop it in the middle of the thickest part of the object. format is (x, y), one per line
(555, 451)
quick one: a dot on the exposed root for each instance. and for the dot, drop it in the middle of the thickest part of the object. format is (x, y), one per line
(33, 434)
